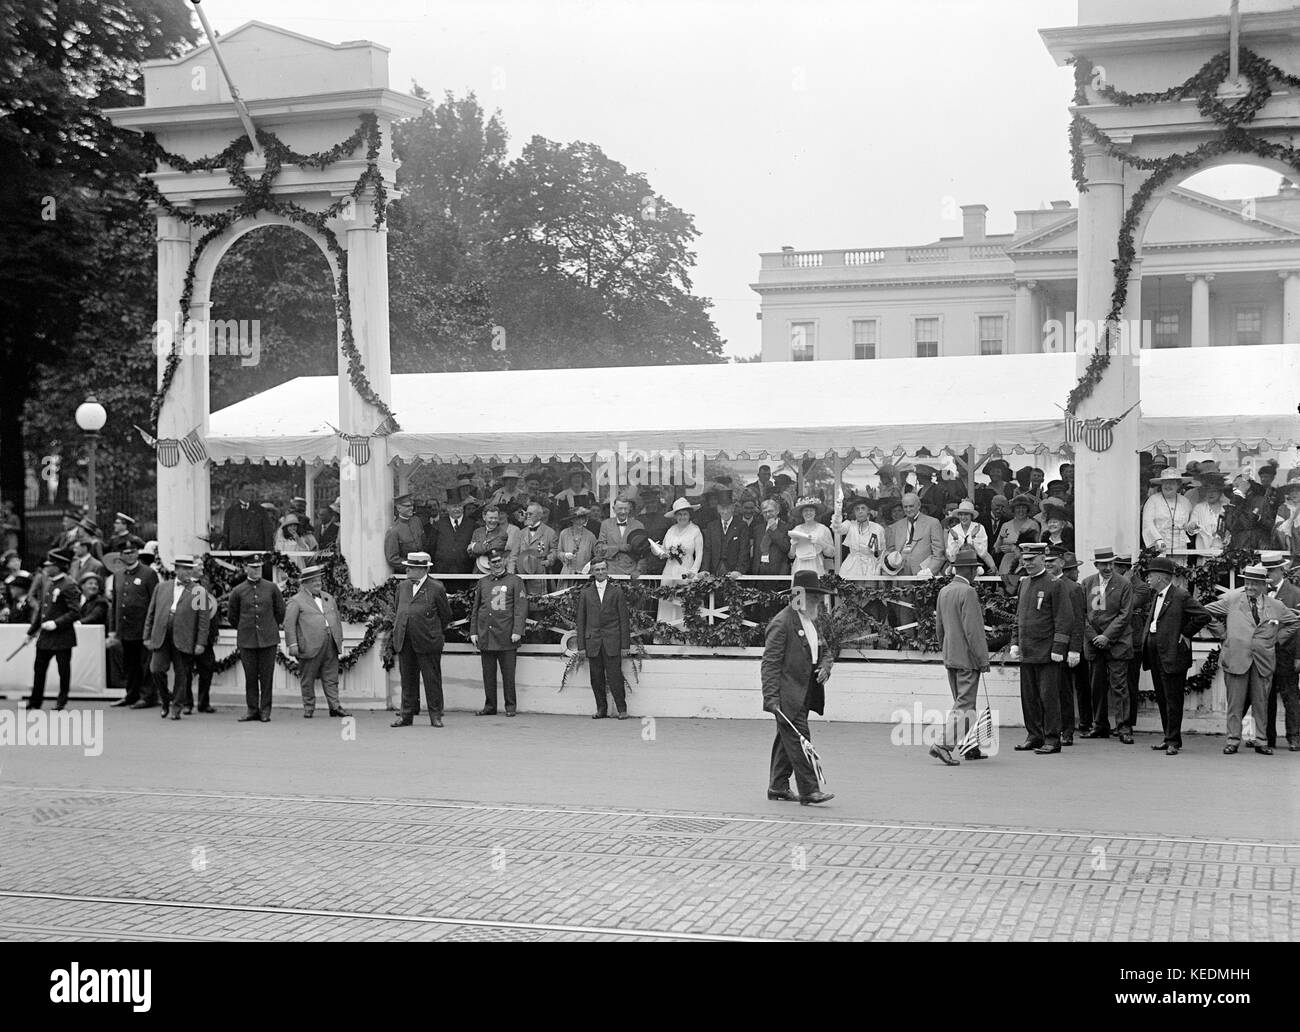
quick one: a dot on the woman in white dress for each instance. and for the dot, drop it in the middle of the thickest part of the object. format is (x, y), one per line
(966, 533)
(865, 540)
(683, 547)
(811, 544)
(287, 539)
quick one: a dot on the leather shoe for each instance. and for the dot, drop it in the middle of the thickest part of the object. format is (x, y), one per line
(264, 720)
(1126, 739)
(164, 712)
(599, 716)
(1067, 740)
(1047, 750)
(510, 711)
(206, 709)
(1094, 733)
(1228, 750)
(1264, 750)
(1028, 746)
(1160, 745)
(189, 711)
(176, 714)
(401, 722)
(436, 721)
(144, 704)
(975, 754)
(340, 712)
(784, 795)
(307, 714)
(125, 702)
(247, 717)
(1293, 747)
(816, 797)
(940, 752)
(485, 712)
(622, 715)
(1172, 751)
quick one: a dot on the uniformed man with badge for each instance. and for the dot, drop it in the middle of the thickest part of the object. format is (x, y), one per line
(1040, 639)
(131, 590)
(406, 535)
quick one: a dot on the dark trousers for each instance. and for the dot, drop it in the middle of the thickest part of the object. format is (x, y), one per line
(163, 659)
(1065, 698)
(1169, 697)
(1287, 686)
(788, 757)
(1082, 678)
(607, 675)
(324, 666)
(1110, 698)
(491, 659)
(63, 660)
(259, 670)
(1040, 701)
(413, 666)
(203, 669)
(135, 663)
(1134, 680)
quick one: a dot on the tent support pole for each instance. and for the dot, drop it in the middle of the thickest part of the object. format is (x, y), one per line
(970, 473)
(837, 501)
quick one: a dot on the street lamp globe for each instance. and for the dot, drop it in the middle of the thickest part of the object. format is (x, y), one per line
(91, 416)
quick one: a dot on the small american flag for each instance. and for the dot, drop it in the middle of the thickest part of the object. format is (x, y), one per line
(1098, 434)
(169, 451)
(358, 448)
(193, 447)
(809, 753)
(983, 734)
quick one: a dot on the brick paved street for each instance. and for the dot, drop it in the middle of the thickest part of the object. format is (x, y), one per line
(550, 828)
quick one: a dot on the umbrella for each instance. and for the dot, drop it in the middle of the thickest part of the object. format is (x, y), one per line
(983, 733)
(809, 753)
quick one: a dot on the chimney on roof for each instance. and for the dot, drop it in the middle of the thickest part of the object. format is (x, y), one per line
(1061, 206)
(786, 247)
(973, 221)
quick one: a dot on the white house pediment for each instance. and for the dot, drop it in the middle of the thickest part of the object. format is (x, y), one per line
(1187, 217)
(266, 62)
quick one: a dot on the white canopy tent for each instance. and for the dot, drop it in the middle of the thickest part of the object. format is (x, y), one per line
(1191, 399)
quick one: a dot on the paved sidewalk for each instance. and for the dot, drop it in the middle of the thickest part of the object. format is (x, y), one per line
(561, 828)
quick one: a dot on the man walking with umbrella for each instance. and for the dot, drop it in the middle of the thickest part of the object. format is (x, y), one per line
(795, 671)
(965, 652)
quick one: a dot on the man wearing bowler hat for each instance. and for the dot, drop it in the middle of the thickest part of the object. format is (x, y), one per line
(965, 650)
(418, 636)
(1164, 641)
(1108, 646)
(1040, 639)
(256, 609)
(53, 617)
(795, 669)
(313, 635)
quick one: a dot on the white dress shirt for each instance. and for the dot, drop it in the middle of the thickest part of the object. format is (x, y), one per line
(811, 632)
(1156, 606)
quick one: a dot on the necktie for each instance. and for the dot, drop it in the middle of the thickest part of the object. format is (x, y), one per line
(911, 530)
(1254, 611)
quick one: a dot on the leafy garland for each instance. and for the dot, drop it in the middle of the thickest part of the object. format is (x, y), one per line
(1258, 71)
(258, 197)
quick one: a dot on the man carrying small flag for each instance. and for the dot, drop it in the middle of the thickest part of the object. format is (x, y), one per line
(965, 652)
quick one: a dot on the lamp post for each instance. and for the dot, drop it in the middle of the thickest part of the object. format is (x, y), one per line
(91, 417)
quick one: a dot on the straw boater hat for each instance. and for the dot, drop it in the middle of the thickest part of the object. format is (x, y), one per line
(311, 573)
(124, 519)
(1255, 573)
(681, 505)
(1272, 560)
(892, 563)
(418, 560)
(1105, 555)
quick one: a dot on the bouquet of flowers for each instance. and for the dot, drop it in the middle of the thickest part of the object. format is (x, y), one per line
(677, 554)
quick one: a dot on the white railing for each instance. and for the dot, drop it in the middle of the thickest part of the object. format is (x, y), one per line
(801, 259)
(867, 257)
(927, 254)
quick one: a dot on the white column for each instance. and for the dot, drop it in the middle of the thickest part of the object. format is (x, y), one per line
(310, 471)
(1106, 511)
(403, 477)
(366, 491)
(1200, 308)
(1290, 306)
(183, 490)
(1028, 330)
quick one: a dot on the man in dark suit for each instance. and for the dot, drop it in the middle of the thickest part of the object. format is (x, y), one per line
(656, 525)
(795, 669)
(1164, 641)
(52, 626)
(205, 663)
(132, 590)
(256, 611)
(247, 525)
(497, 618)
(313, 635)
(1108, 646)
(1286, 674)
(1040, 639)
(960, 624)
(422, 614)
(770, 553)
(603, 629)
(329, 527)
(726, 541)
(447, 541)
(1064, 567)
(177, 623)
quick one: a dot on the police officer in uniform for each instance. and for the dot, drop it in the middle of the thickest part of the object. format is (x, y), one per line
(59, 607)
(256, 611)
(132, 589)
(1040, 639)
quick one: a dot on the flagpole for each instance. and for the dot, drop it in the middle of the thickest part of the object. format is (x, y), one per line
(240, 107)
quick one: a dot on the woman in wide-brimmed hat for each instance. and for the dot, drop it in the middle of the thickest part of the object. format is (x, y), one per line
(968, 533)
(683, 547)
(1165, 516)
(811, 544)
(1013, 530)
(577, 544)
(288, 539)
(865, 540)
(1057, 530)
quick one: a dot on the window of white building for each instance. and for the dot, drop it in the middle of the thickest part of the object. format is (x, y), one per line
(803, 341)
(926, 335)
(1248, 324)
(866, 335)
(993, 334)
(1164, 331)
